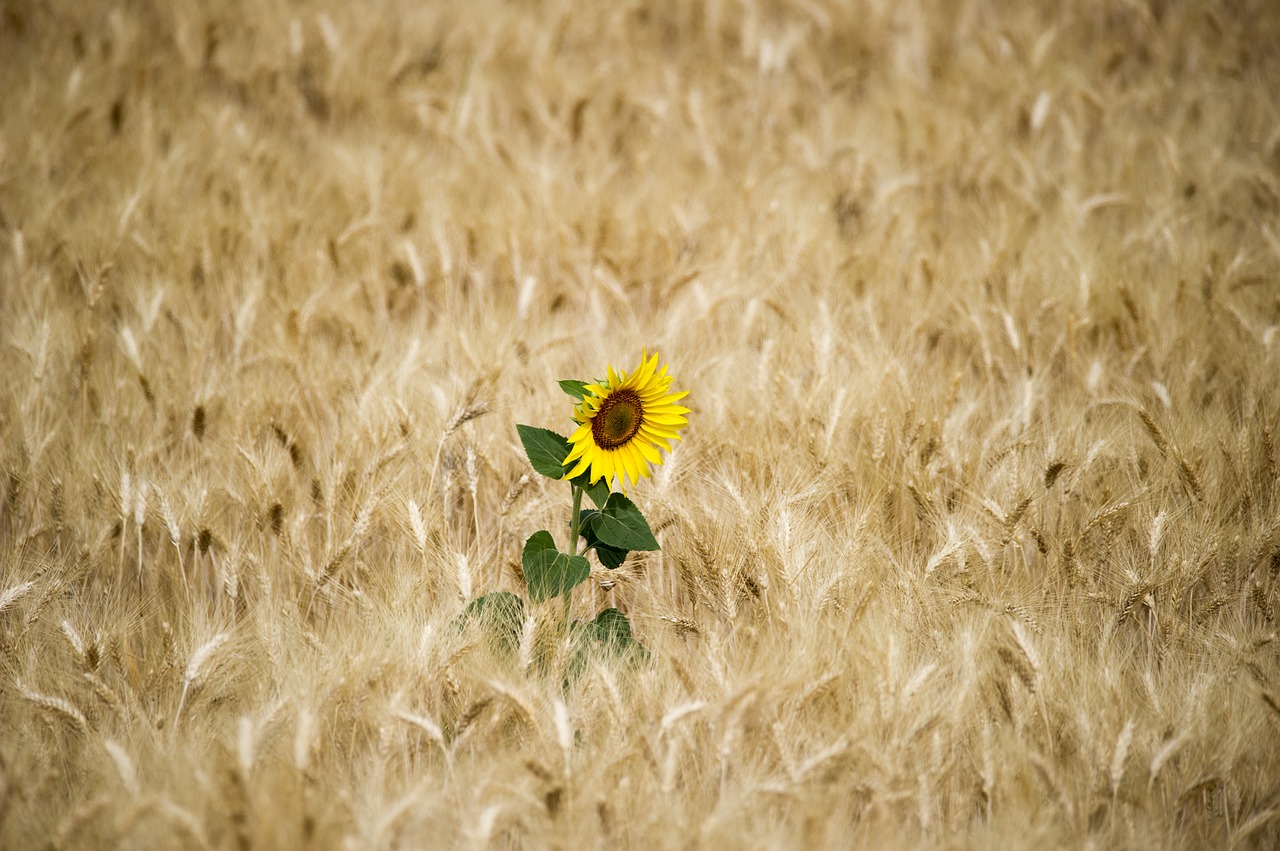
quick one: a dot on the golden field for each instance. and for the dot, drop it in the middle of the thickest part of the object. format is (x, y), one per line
(973, 539)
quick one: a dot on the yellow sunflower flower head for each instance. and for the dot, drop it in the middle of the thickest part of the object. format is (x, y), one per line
(623, 422)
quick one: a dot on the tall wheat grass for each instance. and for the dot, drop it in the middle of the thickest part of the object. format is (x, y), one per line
(974, 538)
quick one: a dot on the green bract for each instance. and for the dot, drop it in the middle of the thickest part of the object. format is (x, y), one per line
(576, 389)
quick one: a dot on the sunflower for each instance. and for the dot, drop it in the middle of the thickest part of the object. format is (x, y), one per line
(623, 422)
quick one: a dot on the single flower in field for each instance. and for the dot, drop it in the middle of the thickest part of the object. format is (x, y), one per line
(623, 422)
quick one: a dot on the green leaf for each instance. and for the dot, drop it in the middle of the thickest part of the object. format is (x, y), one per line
(576, 389)
(581, 638)
(547, 571)
(599, 492)
(610, 557)
(546, 450)
(608, 635)
(612, 626)
(621, 525)
(502, 616)
(614, 631)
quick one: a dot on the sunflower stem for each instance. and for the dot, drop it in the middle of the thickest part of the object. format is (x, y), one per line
(574, 532)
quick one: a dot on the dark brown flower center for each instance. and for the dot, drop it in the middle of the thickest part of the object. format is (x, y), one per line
(618, 419)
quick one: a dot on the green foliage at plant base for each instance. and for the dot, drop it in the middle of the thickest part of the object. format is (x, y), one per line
(501, 615)
(547, 571)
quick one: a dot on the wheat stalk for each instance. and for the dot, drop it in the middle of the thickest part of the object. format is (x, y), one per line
(10, 596)
(1120, 754)
(196, 669)
(124, 767)
(417, 526)
(904, 296)
(58, 707)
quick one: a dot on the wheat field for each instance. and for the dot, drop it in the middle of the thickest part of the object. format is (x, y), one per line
(973, 539)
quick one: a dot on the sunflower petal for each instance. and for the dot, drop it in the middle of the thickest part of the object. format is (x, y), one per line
(648, 452)
(637, 458)
(649, 435)
(659, 430)
(583, 463)
(628, 464)
(576, 451)
(645, 372)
